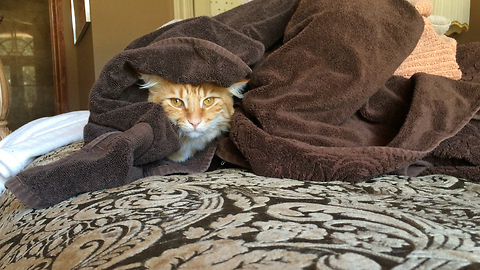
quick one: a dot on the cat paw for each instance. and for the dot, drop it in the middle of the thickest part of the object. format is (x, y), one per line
(178, 156)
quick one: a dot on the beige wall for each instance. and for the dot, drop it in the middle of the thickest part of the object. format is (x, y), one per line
(114, 24)
(473, 34)
(71, 59)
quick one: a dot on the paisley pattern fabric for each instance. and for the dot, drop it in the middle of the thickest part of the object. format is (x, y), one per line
(233, 219)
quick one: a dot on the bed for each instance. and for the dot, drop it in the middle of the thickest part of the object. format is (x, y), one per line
(270, 198)
(233, 219)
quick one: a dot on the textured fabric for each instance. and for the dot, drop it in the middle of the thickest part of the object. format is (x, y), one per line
(328, 108)
(434, 54)
(232, 219)
(108, 161)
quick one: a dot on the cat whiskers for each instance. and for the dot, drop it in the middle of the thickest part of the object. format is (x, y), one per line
(221, 124)
(211, 103)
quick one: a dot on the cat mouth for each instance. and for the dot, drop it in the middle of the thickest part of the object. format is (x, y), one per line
(194, 134)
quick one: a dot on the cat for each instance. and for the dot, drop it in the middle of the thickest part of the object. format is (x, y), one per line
(201, 113)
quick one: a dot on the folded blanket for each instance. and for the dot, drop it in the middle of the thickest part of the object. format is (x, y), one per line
(323, 103)
(36, 138)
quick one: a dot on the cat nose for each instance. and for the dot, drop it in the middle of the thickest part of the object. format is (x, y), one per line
(195, 122)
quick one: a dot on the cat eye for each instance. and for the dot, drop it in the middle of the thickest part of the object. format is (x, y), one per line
(208, 101)
(176, 102)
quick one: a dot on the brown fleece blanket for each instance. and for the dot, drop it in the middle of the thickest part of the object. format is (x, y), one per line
(322, 105)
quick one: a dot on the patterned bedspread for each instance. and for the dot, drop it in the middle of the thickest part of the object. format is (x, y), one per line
(233, 219)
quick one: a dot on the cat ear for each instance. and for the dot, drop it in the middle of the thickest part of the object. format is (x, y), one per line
(147, 81)
(237, 88)
(151, 81)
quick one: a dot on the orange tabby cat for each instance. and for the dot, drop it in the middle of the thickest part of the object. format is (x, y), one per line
(201, 113)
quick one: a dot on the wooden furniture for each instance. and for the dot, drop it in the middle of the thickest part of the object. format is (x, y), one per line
(4, 103)
(4, 99)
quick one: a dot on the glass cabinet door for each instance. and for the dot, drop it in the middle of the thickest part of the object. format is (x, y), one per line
(25, 51)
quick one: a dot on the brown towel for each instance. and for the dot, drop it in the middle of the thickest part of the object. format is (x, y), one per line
(460, 155)
(106, 162)
(324, 106)
(194, 51)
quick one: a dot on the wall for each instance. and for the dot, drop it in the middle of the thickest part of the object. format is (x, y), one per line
(473, 34)
(114, 24)
(71, 58)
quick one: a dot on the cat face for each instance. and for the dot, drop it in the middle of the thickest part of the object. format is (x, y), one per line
(196, 110)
